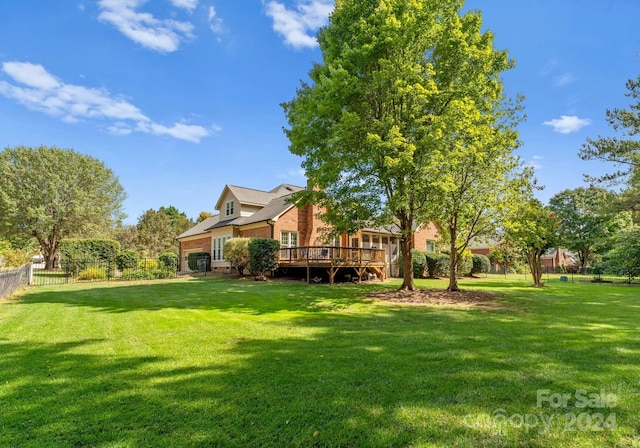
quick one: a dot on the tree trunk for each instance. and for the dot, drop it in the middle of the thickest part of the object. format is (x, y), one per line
(453, 261)
(583, 256)
(407, 265)
(533, 258)
(49, 251)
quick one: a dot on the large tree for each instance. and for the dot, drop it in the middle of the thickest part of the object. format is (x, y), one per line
(480, 185)
(402, 83)
(624, 258)
(533, 228)
(50, 194)
(157, 230)
(584, 224)
(624, 152)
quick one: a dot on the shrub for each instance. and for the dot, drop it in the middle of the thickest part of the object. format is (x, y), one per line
(148, 264)
(127, 259)
(481, 264)
(74, 262)
(437, 264)
(465, 263)
(152, 274)
(195, 257)
(93, 274)
(236, 252)
(76, 254)
(169, 261)
(262, 255)
(94, 249)
(14, 258)
(418, 264)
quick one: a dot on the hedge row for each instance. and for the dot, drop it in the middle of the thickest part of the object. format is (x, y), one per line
(77, 256)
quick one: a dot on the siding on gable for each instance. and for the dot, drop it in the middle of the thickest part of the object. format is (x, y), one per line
(223, 207)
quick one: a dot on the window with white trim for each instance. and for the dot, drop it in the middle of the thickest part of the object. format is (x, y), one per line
(431, 246)
(288, 239)
(217, 248)
(228, 206)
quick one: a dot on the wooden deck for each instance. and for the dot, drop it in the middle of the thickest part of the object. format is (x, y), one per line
(333, 258)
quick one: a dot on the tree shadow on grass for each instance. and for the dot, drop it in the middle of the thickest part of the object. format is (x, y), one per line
(401, 377)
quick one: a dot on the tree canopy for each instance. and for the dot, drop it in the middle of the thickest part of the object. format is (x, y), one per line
(406, 88)
(157, 230)
(50, 194)
(533, 228)
(623, 152)
(584, 225)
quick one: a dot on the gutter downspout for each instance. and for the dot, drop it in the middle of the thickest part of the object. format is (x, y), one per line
(272, 223)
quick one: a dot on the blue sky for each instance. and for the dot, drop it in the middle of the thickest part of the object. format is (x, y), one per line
(180, 97)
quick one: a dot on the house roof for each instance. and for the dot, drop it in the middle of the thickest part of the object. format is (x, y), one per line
(250, 196)
(273, 210)
(200, 228)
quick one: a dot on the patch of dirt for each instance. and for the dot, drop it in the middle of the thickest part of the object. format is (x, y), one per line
(439, 297)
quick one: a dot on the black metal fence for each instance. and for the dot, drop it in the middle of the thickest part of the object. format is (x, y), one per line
(72, 271)
(600, 279)
(14, 279)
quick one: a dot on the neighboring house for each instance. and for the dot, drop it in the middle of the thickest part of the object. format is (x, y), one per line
(554, 259)
(245, 212)
(482, 246)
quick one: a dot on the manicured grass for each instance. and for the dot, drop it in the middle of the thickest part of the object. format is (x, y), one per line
(210, 362)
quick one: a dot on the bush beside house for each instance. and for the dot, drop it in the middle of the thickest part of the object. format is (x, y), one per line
(263, 255)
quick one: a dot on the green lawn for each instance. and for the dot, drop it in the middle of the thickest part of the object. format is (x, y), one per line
(210, 362)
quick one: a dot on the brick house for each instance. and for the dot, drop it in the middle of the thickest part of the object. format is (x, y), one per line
(245, 212)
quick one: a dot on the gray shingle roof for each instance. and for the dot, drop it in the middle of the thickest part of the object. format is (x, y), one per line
(274, 209)
(273, 202)
(251, 196)
(200, 228)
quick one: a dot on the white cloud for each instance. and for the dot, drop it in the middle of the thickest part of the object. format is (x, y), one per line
(296, 25)
(190, 133)
(215, 23)
(563, 80)
(31, 75)
(159, 35)
(189, 5)
(39, 90)
(536, 162)
(568, 124)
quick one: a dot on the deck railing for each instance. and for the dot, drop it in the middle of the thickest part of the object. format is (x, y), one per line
(330, 255)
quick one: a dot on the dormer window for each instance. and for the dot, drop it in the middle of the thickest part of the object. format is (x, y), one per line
(228, 208)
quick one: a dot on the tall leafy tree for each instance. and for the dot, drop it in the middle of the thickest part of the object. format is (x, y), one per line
(584, 225)
(504, 253)
(127, 236)
(156, 233)
(179, 220)
(157, 230)
(203, 215)
(623, 152)
(480, 185)
(402, 86)
(624, 258)
(533, 228)
(50, 194)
